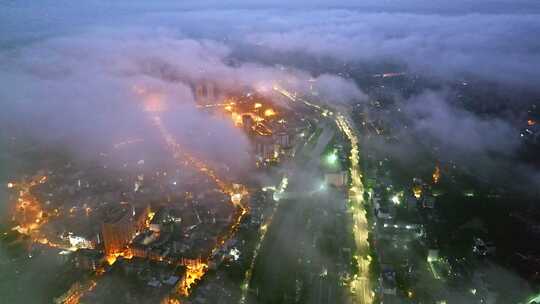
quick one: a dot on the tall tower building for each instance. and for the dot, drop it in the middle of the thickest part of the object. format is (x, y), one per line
(120, 226)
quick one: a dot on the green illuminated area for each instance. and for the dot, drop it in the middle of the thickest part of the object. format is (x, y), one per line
(332, 158)
(534, 299)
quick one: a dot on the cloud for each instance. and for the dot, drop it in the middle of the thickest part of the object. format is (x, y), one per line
(432, 127)
(487, 39)
(456, 130)
(493, 47)
(77, 90)
(491, 40)
(93, 58)
(332, 88)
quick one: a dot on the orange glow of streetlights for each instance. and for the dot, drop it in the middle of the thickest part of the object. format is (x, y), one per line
(269, 113)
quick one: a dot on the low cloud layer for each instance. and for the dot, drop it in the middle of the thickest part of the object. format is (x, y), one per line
(492, 47)
(82, 60)
(492, 40)
(453, 129)
(73, 69)
(80, 90)
(486, 147)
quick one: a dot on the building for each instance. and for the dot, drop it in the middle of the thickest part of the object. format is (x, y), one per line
(265, 148)
(247, 123)
(388, 275)
(283, 139)
(428, 201)
(120, 226)
(87, 259)
(337, 179)
(206, 92)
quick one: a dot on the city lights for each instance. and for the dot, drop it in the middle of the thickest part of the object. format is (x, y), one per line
(436, 174)
(395, 199)
(269, 113)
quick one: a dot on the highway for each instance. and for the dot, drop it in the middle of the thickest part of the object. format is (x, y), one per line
(360, 287)
(360, 284)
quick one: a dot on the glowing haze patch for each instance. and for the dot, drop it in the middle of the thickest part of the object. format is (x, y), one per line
(332, 158)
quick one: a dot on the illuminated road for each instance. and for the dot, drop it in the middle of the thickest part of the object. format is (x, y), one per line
(360, 284)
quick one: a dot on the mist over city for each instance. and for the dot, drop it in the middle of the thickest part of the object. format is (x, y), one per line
(270, 152)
